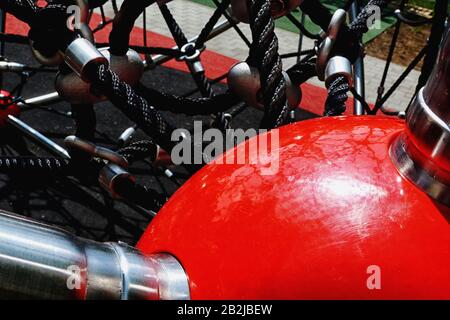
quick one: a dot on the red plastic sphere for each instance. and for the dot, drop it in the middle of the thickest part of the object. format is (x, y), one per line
(6, 108)
(337, 222)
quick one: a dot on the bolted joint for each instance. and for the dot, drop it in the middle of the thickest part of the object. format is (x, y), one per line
(338, 66)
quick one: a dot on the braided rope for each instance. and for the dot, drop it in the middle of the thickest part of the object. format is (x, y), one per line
(203, 36)
(337, 97)
(139, 150)
(24, 10)
(302, 72)
(36, 165)
(174, 28)
(123, 23)
(338, 89)
(141, 195)
(136, 193)
(133, 106)
(203, 84)
(360, 26)
(188, 106)
(264, 55)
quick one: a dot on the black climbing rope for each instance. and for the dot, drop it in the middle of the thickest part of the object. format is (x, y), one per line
(264, 55)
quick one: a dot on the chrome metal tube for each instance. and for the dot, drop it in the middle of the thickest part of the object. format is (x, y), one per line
(38, 261)
(38, 137)
(422, 152)
(42, 100)
(358, 75)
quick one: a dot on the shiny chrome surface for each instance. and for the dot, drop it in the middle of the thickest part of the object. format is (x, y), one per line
(326, 46)
(81, 54)
(93, 150)
(38, 137)
(436, 93)
(129, 68)
(41, 100)
(429, 133)
(420, 173)
(279, 8)
(338, 66)
(173, 283)
(358, 74)
(43, 262)
(6, 66)
(245, 82)
(422, 153)
(109, 175)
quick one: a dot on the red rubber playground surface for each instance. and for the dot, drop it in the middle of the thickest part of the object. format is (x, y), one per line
(215, 64)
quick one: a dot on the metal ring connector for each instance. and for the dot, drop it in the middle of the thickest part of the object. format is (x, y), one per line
(326, 47)
(189, 47)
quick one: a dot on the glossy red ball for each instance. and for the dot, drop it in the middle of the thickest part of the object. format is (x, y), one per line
(336, 222)
(7, 107)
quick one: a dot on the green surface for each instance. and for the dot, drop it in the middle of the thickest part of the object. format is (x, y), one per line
(429, 4)
(283, 23)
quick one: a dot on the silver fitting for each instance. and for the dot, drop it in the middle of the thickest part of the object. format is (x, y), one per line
(190, 53)
(81, 55)
(245, 82)
(422, 152)
(91, 149)
(38, 261)
(338, 66)
(12, 66)
(109, 175)
(327, 44)
(129, 68)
